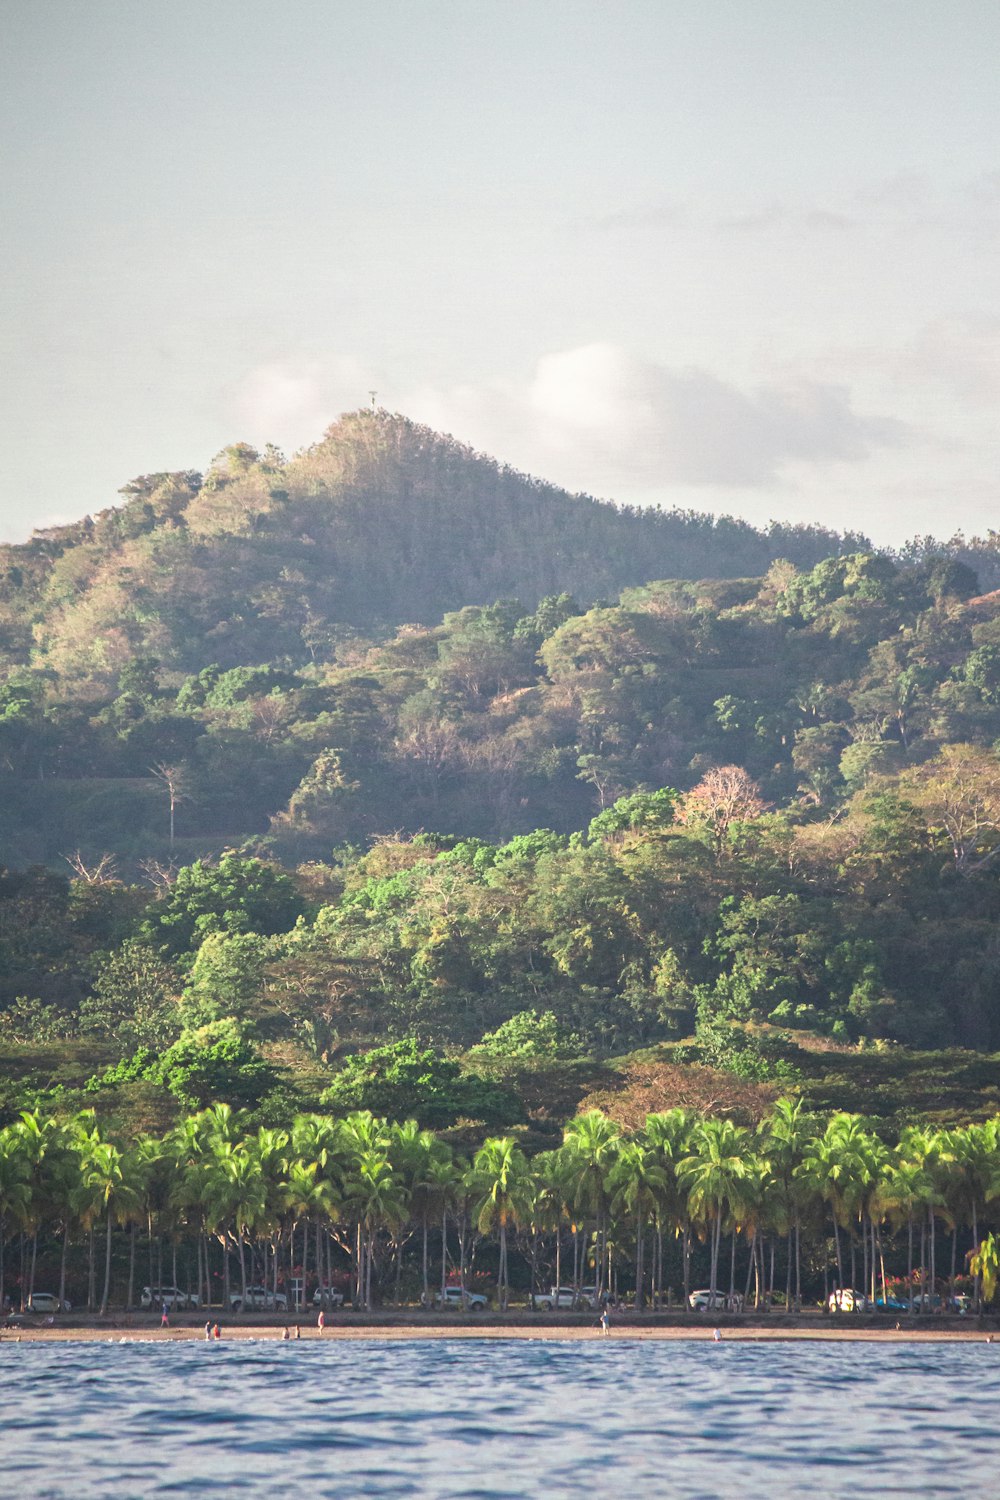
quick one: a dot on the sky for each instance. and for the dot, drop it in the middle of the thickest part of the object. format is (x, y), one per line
(740, 257)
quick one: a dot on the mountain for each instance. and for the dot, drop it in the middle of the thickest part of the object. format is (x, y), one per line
(382, 522)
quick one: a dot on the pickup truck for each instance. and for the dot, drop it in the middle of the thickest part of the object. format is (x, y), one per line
(566, 1297)
(327, 1296)
(259, 1299)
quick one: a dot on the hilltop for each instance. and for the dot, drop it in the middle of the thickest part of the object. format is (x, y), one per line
(382, 522)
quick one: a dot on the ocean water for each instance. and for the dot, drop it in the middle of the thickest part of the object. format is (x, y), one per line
(499, 1418)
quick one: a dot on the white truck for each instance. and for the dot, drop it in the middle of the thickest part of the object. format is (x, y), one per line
(559, 1298)
(258, 1299)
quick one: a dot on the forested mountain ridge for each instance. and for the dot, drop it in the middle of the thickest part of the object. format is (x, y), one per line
(382, 522)
(694, 814)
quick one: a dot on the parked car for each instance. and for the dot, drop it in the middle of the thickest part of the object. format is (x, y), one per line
(565, 1297)
(703, 1301)
(47, 1302)
(846, 1299)
(892, 1304)
(258, 1299)
(170, 1297)
(929, 1302)
(453, 1297)
(327, 1296)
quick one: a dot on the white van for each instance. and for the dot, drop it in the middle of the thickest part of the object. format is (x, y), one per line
(170, 1297)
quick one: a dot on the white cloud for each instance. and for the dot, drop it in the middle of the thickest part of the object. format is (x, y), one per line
(602, 419)
(291, 402)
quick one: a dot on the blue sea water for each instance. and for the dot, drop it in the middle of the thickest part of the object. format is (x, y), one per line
(499, 1418)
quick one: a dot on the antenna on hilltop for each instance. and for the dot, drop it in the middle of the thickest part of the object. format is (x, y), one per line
(373, 394)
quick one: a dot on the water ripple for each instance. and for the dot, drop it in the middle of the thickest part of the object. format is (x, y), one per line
(498, 1420)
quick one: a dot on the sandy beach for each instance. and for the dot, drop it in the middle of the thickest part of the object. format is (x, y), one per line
(119, 1330)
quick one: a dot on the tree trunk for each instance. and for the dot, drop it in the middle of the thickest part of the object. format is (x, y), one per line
(444, 1257)
(426, 1287)
(62, 1266)
(107, 1268)
(502, 1269)
(131, 1268)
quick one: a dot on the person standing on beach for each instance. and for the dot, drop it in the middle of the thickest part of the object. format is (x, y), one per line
(216, 1332)
(165, 1319)
(605, 1322)
(321, 1320)
(298, 1331)
(208, 1331)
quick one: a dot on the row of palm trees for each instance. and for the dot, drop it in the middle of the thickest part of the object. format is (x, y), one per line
(795, 1197)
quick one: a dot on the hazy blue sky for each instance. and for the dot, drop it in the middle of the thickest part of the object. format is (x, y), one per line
(736, 254)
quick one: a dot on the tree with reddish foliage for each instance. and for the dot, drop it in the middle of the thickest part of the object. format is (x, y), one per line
(724, 796)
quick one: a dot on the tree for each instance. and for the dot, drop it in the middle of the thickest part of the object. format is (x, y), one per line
(236, 895)
(401, 1080)
(529, 1034)
(723, 797)
(591, 1145)
(174, 779)
(500, 1177)
(638, 1182)
(714, 1175)
(217, 1062)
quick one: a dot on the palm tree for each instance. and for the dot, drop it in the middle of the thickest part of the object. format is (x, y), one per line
(713, 1176)
(785, 1134)
(591, 1141)
(107, 1186)
(239, 1195)
(15, 1192)
(984, 1263)
(500, 1176)
(668, 1134)
(378, 1201)
(637, 1181)
(364, 1139)
(926, 1151)
(550, 1195)
(839, 1166)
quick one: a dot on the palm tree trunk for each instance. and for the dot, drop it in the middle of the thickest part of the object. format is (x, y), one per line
(62, 1266)
(686, 1267)
(502, 1269)
(131, 1268)
(427, 1291)
(34, 1258)
(976, 1297)
(91, 1273)
(640, 1237)
(444, 1256)
(909, 1259)
(558, 1256)
(107, 1268)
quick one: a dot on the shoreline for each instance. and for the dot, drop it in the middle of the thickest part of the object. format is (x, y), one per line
(117, 1331)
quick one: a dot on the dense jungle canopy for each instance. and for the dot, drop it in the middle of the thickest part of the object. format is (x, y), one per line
(387, 746)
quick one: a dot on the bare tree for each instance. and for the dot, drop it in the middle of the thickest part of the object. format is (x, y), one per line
(175, 780)
(723, 796)
(105, 872)
(160, 876)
